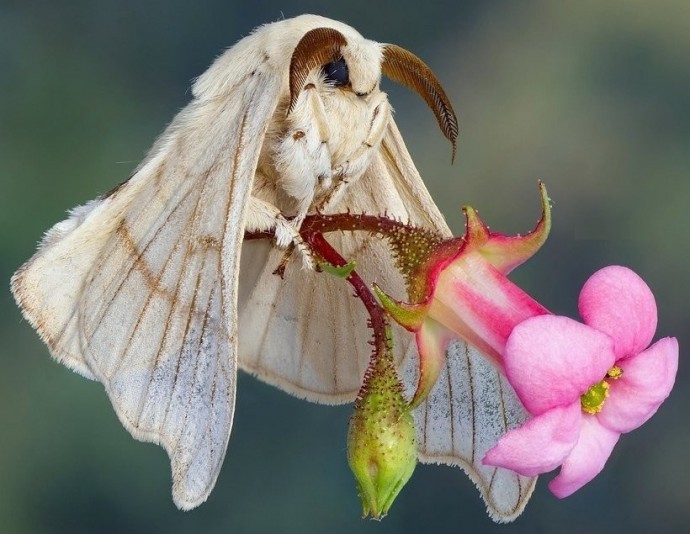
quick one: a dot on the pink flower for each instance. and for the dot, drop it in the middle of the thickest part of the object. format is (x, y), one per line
(462, 291)
(585, 384)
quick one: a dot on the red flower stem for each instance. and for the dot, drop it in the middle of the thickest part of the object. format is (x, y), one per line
(349, 222)
(378, 321)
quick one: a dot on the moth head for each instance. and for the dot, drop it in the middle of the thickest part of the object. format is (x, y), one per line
(357, 66)
(352, 66)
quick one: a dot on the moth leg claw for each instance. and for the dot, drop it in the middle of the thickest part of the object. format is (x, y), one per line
(287, 234)
(265, 217)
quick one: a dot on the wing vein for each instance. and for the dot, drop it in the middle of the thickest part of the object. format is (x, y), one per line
(107, 305)
(192, 311)
(426, 422)
(451, 414)
(269, 323)
(149, 298)
(305, 306)
(473, 413)
(196, 362)
(209, 423)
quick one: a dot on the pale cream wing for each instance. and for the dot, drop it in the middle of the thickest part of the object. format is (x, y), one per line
(306, 333)
(139, 289)
(469, 408)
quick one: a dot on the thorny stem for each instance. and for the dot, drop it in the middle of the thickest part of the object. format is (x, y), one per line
(411, 247)
(350, 222)
(341, 222)
(378, 321)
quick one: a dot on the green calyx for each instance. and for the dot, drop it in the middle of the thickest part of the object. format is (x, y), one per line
(381, 444)
(409, 316)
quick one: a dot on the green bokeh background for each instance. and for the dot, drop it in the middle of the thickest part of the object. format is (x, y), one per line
(592, 97)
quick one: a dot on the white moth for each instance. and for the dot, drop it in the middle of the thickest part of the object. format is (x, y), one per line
(142, 289)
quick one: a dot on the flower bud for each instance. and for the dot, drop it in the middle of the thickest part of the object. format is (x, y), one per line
(381, 446)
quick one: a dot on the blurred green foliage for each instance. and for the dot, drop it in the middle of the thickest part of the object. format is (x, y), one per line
(591, 97)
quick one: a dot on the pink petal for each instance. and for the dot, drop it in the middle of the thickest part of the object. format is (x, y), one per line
(552, 360)
(587, 458)
(646, 382)
(617, 301)
(539, 445)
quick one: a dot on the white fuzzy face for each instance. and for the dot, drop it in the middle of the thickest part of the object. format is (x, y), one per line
(326, 141)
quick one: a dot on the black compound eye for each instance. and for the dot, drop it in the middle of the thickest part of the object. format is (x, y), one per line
(337, 73)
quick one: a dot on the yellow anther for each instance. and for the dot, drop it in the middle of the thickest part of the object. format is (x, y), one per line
(614, 373)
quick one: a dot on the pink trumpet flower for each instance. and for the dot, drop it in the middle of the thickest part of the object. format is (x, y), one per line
(585, 384)
(463, 292)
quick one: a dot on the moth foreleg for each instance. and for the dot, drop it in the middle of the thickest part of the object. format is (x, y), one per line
(265, 217)
(361, 158)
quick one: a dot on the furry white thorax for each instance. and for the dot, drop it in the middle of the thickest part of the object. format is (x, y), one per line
(327, 141)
